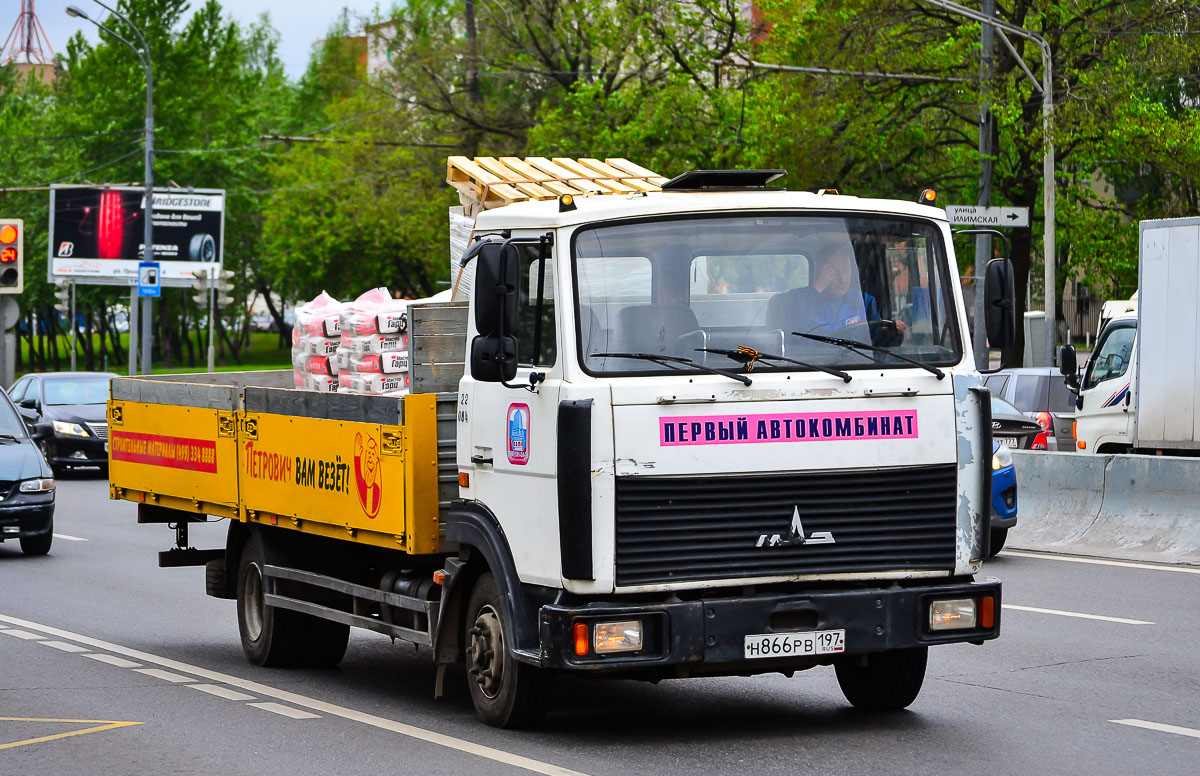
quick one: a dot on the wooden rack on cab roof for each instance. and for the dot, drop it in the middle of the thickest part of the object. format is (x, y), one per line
(486, 182)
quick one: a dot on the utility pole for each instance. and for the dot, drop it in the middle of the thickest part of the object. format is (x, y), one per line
(983, 242)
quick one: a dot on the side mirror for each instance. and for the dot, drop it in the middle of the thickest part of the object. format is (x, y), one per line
(29, 404)
(496, 277)
(494, 350)
(1068, 366)
(1000, 310)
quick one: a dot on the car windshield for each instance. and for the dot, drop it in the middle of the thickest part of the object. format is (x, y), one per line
(79, 390)
(703, 287)
(10, 422)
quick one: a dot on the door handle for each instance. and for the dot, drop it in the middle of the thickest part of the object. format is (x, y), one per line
(479, 460)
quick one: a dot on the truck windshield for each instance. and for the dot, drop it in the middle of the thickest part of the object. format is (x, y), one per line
(695, 286)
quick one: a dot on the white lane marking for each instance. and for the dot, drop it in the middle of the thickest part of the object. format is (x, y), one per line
(113, 660)
(1160, 727)
(1125, 564)
(1082, 616)
(222, 692)
(333, 710)
(65, 646)
(166, 676)
(286, 711)
(24, 634)
(69, 537)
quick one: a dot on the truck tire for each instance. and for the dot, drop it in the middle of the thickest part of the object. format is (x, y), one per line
(888, 681)
(270, 637)
(506, 693)
(999, 536)
(325, 642)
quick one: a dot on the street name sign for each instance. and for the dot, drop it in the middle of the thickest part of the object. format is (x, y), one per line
(973, 215)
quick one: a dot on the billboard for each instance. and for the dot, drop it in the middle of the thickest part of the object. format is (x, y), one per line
(96, 233)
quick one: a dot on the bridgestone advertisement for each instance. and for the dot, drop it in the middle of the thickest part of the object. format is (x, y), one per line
(96, 234)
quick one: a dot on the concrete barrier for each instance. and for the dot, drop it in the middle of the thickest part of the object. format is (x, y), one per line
(1131, 507)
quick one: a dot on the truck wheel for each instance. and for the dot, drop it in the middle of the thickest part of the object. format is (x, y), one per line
(325, 642)
(506, 694)
(270, 636)
(888, 681)
(999, 536)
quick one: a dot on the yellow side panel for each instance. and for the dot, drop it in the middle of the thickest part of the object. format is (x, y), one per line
(185, 452)
(317, 470)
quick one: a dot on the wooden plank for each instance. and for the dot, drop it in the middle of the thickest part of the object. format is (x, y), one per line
(582, 171)
(515, 178)
(543, 178)
(636, 169)
(612, 172)
(438, 311)
(563, 174)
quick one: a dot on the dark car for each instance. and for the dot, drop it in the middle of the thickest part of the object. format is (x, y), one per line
(26, 486)
(67, 415)
(1010, 426)
(1041, 393)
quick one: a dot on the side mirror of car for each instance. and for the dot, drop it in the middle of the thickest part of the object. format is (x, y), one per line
(29, 404)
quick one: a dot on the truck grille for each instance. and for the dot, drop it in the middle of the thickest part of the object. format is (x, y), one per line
(675, 529)
(99, 429)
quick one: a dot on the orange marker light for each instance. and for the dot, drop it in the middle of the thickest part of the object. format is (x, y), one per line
(439, 577)
(581, 639)
(8, 234)
(987, 612)
(1081, 444)
(464, 480)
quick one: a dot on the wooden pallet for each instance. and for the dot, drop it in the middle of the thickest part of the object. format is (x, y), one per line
(486, 182)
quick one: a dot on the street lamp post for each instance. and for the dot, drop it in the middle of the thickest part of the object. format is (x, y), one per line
(1046, 88)
(148, 237)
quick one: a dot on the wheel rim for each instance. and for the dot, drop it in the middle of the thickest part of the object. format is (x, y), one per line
(252, 602)
(485, 656)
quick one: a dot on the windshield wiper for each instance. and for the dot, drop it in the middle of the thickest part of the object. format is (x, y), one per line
(747, 356)
(858, 347)
(670, 361)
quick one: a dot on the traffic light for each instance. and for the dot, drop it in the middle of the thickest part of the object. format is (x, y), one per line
(63, 294)
(223, 287)
(12, 255)
(201, 285)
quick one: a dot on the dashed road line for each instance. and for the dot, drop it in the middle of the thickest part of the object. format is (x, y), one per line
(286, 711)
(1160, 727)
(166, 676)
(330, 709)
(22, 634)
(113, 660)
(64, 646)
(69, 538)
(1100, 562)
(1080, 615)
(222, 692)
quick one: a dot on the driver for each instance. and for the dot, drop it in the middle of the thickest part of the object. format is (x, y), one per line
(833, 301)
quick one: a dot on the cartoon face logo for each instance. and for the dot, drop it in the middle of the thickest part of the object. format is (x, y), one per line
(518, 434)
(367, 475)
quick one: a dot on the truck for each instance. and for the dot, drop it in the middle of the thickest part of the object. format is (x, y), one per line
(1139, 392)
(616, 458)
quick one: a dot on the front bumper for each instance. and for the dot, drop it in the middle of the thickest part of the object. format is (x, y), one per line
(707, 636)
(26, 521)
(76, 451)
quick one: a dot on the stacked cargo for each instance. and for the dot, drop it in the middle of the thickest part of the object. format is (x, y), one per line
(316, 335)
(372, 357)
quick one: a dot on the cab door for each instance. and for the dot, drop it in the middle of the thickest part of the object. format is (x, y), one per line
(512, 455)
(1106, 395)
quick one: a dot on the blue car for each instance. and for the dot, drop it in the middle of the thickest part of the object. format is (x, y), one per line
(1004, 495)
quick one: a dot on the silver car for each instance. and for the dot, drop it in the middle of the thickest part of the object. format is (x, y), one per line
(1041, 394)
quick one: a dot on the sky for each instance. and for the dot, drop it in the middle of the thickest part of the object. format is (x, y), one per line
(300, 23)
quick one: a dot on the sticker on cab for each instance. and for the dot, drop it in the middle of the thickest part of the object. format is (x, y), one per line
(518, 434)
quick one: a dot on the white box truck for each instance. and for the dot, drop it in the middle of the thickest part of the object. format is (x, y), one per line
(1141, 389)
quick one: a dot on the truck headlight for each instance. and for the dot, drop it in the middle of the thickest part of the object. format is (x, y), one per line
(622, 636)
(68, 429)
(38, 485)
(1002, 458)
(952, 614)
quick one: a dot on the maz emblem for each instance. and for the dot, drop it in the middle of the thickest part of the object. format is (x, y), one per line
(795, 535)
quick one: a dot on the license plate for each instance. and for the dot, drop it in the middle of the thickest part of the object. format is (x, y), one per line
(1008, 441)
(792, 644)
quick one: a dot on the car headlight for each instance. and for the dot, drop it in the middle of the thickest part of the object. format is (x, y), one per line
(39, 485)
(1002, 458)
(69, 429)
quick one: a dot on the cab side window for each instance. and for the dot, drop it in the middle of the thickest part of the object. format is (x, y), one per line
(529, 334)
(1111, 359)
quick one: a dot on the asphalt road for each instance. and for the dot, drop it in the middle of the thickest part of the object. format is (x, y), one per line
(111, 665)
